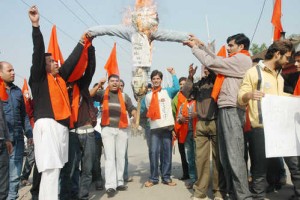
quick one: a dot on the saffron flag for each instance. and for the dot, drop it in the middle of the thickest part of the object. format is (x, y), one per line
(220, 78)
(276, 20)
(28, 102)
(3, 94)
(111, 65)
(82, 62)
(54, 49)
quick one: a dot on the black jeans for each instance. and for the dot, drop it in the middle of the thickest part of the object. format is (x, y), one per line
(258, 162)
(4, 166)
(35, 188)
(29, 162)
(293, 165)
(184, 164)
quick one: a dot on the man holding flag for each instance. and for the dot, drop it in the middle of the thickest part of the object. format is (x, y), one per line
(51, 109)
(81, 137)
(114, 125)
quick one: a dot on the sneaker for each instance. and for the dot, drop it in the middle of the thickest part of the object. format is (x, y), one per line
(110, 192)
(122, 188)
(99, 185)
(189, 186)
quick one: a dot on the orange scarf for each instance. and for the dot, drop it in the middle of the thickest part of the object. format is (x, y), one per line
(297, 88)
(220, 78)
(105, 112)
(154, 110)
(181, 100)
(3, 93)
(75, 105)
(59, 97)
(183, 130)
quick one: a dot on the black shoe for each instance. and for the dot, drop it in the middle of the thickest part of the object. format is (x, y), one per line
(270, 188)
(110, 192)
(99, 185)
(184, 178)
(122, 188)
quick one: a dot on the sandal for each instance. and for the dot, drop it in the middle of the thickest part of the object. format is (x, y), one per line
(171, 183)
(149, 184)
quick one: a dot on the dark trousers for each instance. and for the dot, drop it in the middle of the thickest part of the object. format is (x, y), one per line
(293, 165)
(81, 147)
(69, 183)
(4, 167)
(258, 162)
(35, 188)
(29, 162)
(97, 164)
(184, 164)
(231, 146)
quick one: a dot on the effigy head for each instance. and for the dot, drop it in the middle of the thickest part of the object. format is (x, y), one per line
(144, 17)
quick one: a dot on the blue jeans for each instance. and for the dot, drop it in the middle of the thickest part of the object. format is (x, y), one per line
(189, 147)
(160, 143)
(88, 147)
(15, 168)
(3, 170)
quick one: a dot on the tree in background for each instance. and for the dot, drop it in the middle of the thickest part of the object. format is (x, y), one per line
(256, 49)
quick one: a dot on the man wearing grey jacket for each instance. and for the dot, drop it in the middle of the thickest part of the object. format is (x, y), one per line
(231, 115)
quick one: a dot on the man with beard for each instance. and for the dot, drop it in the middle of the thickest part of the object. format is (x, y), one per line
(265, 78)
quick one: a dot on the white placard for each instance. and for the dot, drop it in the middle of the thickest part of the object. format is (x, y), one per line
(281, 119)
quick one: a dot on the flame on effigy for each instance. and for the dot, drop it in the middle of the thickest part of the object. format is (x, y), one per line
(143, 17)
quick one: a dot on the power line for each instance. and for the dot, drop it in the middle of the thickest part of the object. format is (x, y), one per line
(261, 12)
(97, 22)
(83, 21)
(60, 29)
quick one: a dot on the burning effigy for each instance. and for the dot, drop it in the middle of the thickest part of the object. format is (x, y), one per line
(140, 27)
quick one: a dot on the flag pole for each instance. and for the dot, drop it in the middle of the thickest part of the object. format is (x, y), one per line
(207, 28)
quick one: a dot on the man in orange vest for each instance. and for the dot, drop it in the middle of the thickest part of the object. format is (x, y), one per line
(176, 103)
(51, 109)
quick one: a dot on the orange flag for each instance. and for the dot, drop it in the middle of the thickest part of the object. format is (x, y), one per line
(25, 86)
(28, 103)
(54, 49)
(3, 94)
(220, 78)
(82, 62)
(276, 20)
(111, 65)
